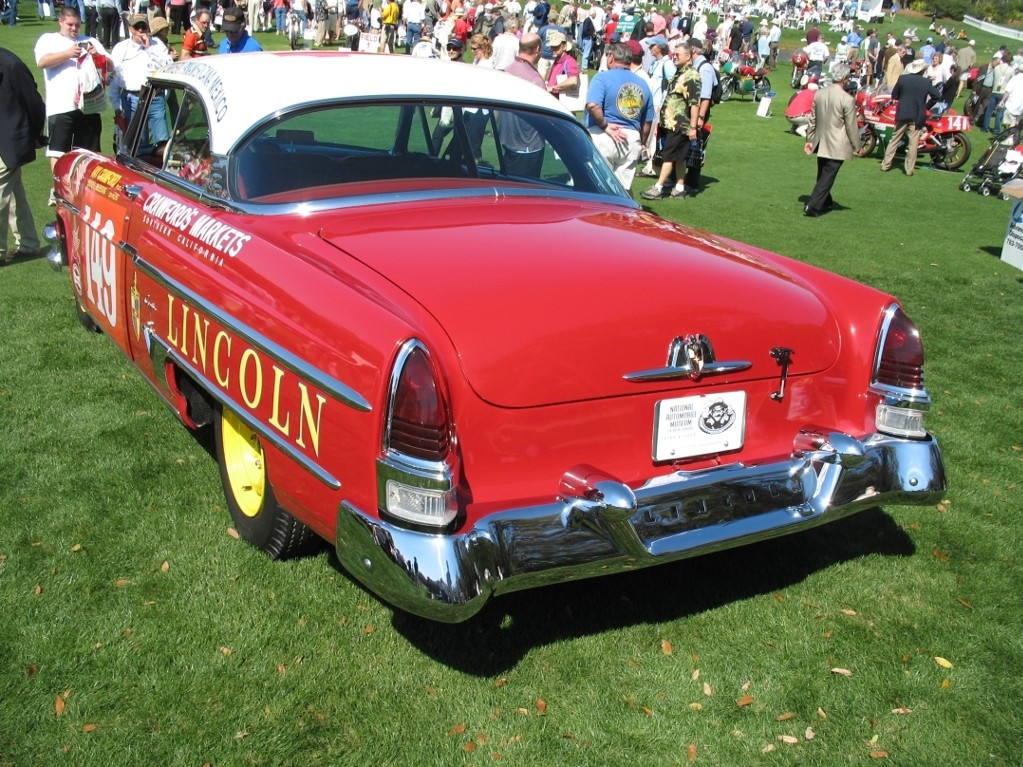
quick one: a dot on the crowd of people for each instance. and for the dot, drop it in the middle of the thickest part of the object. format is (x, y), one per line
(648, 108)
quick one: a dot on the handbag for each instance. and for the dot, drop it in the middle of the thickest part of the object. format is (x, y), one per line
(574, 99)
(92, 97)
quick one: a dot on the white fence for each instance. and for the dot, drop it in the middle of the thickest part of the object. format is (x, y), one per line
(987, 26)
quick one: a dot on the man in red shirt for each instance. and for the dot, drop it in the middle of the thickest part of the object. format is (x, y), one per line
(194, 44)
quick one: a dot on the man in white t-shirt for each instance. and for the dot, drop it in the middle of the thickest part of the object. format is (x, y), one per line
(59, 55)
(1012, 103)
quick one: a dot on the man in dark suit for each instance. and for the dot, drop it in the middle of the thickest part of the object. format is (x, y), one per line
(913, 91)
(22, 122)
(831, 133)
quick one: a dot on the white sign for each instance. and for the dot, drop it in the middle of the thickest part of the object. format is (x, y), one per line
(1012, 248)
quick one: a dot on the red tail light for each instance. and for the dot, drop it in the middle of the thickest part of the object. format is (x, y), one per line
(900, 362)
(419, 424)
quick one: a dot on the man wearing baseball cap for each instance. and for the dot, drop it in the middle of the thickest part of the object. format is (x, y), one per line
(236, 38)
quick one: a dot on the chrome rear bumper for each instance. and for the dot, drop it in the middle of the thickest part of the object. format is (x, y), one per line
(597, 525)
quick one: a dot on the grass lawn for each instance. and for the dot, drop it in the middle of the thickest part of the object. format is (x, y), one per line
(136, 631)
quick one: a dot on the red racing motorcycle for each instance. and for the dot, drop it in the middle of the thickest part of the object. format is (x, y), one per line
(943, 137)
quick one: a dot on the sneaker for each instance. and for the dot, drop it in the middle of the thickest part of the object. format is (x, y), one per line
(653, 193)
(678, 193)
(53, 198)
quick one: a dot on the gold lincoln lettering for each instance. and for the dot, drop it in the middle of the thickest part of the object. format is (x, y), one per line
(249, 356)
(275, 416)
(224, 379)
(308, 419)
(200, 332)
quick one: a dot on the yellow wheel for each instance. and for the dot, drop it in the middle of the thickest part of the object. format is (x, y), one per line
(257, 516)
(243, 464)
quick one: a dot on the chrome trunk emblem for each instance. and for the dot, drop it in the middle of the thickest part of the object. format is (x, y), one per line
(692, 356)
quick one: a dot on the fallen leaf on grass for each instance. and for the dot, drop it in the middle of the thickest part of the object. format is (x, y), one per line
(744, 701)
(233, 533)
(841, 671)
(469, 747)
(767, 749)
(878, 754)
(120, 583)
(696, 675)
(76, 548)
(822, 713)
(943, 662)
(38, 590)
(666, 647)
(707, 690)
(691, 752)
(790, 740)
(369, 628)
(501, 682)
(165, 567)
(964, 603)
(901, 711)
(59, 705)
(522, 711)
(696, 707)
(946, 683)
(458, 729)
(541, 706)
(241, 735)
(784, 717)
(809, 734)
(940, 555)
(225, 651)
(89, 728)
(850, 613)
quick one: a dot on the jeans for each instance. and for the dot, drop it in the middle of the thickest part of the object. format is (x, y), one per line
(11, 17)
(587, 49)
(280, 14)
(986, 123)
(413, 33)
(156, 131)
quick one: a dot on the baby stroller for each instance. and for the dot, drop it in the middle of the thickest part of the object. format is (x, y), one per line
(1001, 163)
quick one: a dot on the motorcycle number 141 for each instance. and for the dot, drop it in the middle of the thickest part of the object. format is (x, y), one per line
(957, 122)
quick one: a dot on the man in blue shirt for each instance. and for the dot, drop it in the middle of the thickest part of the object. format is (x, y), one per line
(236, 38)
(619, 111)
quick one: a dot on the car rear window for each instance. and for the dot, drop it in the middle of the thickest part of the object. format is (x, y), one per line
(341, 149)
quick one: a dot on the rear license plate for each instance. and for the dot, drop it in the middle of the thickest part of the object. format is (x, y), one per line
(702, 424)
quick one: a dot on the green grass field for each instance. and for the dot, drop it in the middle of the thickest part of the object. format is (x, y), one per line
(134, 630)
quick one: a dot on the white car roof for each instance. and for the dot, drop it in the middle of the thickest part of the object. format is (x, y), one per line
(240, 90)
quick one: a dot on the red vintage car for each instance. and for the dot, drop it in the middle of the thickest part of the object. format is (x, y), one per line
(428, 325)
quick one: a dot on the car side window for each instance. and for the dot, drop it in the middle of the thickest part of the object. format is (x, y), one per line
(187, 155)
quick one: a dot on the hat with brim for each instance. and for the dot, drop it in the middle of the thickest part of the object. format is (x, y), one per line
(138, 20)
(159, 25)
(556, 38)
(916, 66)
(233, 21)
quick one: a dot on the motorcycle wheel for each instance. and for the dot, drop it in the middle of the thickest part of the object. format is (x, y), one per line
(868, 141)
(956, 155)
(762, 89)
(797, 77)
(727, 89)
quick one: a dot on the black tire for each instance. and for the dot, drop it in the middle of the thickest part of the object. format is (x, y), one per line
(257, 516)
(868, 141)
(762, 89)
(726, 88)
(957, 154)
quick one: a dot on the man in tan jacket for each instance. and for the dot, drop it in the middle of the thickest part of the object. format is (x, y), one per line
(833, 135)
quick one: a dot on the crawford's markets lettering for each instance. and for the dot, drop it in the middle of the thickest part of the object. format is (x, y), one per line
(273, 394)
